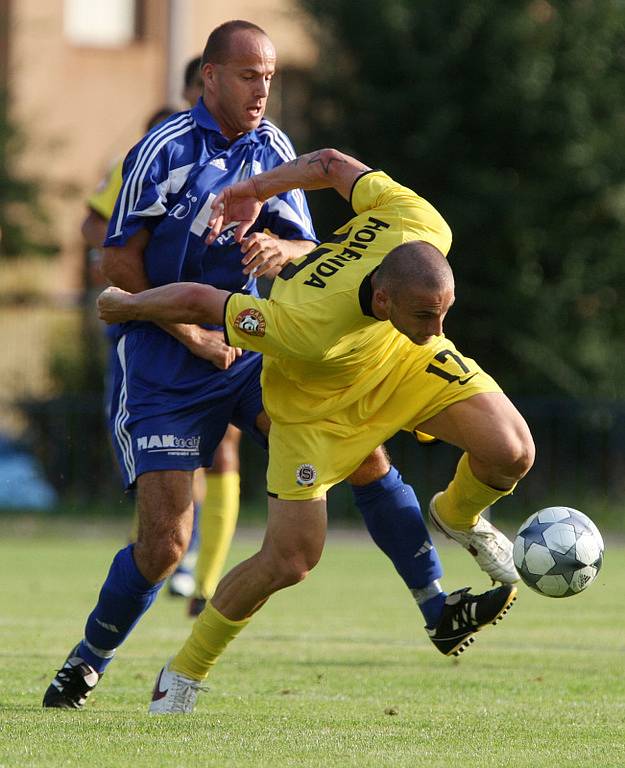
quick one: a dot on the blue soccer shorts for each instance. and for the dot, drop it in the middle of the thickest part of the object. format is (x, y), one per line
(170, 409)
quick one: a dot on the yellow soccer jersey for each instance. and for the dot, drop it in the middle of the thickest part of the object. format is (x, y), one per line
(103, 200)
(323, 349)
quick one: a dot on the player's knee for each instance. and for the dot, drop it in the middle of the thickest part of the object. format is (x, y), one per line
(288, 570)
(295, 570)
(157, 556)
(516, 453)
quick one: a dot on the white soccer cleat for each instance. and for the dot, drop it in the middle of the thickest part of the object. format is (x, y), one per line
(173, 693)
(491, 549)
(181, 584)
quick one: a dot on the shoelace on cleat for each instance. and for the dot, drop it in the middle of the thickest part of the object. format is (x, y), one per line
(184, 694)
(463, 614)
(72, 677)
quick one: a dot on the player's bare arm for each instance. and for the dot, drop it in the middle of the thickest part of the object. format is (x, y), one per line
(123, 266)
(94, 228)
(322, 169)
(173, 303)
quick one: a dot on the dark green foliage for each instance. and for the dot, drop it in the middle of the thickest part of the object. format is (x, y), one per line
(510, 117)
(69, 428)
(24, 225)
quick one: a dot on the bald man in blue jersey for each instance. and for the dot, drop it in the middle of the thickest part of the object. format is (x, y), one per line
(178, 386)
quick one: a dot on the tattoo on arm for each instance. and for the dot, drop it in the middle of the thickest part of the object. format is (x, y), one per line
(316, 157)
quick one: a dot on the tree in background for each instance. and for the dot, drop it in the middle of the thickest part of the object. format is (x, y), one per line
(24, 225)
(510, 117)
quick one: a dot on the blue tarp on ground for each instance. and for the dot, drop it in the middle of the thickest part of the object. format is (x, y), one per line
(22, 484)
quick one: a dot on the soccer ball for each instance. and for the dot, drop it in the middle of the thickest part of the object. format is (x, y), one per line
(558, 551)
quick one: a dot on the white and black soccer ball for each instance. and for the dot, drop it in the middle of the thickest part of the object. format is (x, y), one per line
(558, 551)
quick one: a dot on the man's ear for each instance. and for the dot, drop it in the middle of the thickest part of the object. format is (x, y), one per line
(381, 303)
(208, 73)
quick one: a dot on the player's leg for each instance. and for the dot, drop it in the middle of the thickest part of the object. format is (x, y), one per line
(182, 581)
(499, 451)
(218, 518)
(242, 410)
(292, 546)
(496, 437)
(164, 501)
(394, 520)
(158, 447)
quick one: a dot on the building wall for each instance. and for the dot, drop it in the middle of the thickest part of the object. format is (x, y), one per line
(80, 107)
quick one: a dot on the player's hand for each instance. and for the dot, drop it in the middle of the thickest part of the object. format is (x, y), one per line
(114, 305)
(264, 254)
(211, 346)
(238, 203)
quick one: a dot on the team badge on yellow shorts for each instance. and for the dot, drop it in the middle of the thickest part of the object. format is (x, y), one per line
(251, 321)
(306, 475)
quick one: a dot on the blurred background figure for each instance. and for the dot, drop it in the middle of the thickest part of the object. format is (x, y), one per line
(193, 84)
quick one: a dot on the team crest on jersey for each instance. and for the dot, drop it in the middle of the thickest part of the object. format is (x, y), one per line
(251, 321)
(306, 475)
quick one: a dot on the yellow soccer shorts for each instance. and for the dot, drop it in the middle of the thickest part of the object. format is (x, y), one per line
(307, 459)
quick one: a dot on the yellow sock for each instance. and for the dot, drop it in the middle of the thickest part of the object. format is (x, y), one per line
(217, 523)
(210, 635)
(459, 506)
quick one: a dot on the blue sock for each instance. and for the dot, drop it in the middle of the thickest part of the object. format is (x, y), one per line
(431, 607)
(393, 517)
(125, 596)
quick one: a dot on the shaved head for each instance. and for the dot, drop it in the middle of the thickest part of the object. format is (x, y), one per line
(414, 265)
(413, 288)
(218, 48)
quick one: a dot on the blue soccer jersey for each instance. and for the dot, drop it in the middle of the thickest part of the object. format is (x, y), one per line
(166, 400)
(170, 180)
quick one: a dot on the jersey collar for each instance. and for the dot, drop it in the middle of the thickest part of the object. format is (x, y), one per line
(204, 119)
(365, 295)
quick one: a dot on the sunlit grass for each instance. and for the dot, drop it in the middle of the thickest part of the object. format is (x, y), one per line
(334, 672)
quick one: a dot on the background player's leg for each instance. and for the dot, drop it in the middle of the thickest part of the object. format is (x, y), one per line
(218, 518)
(393, 518)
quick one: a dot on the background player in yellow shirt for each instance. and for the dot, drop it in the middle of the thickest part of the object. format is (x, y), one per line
(353, 345)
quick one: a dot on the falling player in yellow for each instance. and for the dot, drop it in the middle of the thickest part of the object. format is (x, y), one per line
(353, 345)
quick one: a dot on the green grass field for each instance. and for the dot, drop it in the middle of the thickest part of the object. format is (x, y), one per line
(334, 672)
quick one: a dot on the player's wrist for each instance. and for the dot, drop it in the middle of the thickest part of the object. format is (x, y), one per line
(257, 190)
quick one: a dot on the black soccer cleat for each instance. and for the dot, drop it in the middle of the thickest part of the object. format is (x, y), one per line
(72, 684)
(465, 614)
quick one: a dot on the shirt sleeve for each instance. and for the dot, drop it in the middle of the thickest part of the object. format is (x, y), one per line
(263, 325)
(287, 216)
(143, 195)
(420, 220)
(102, 201)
